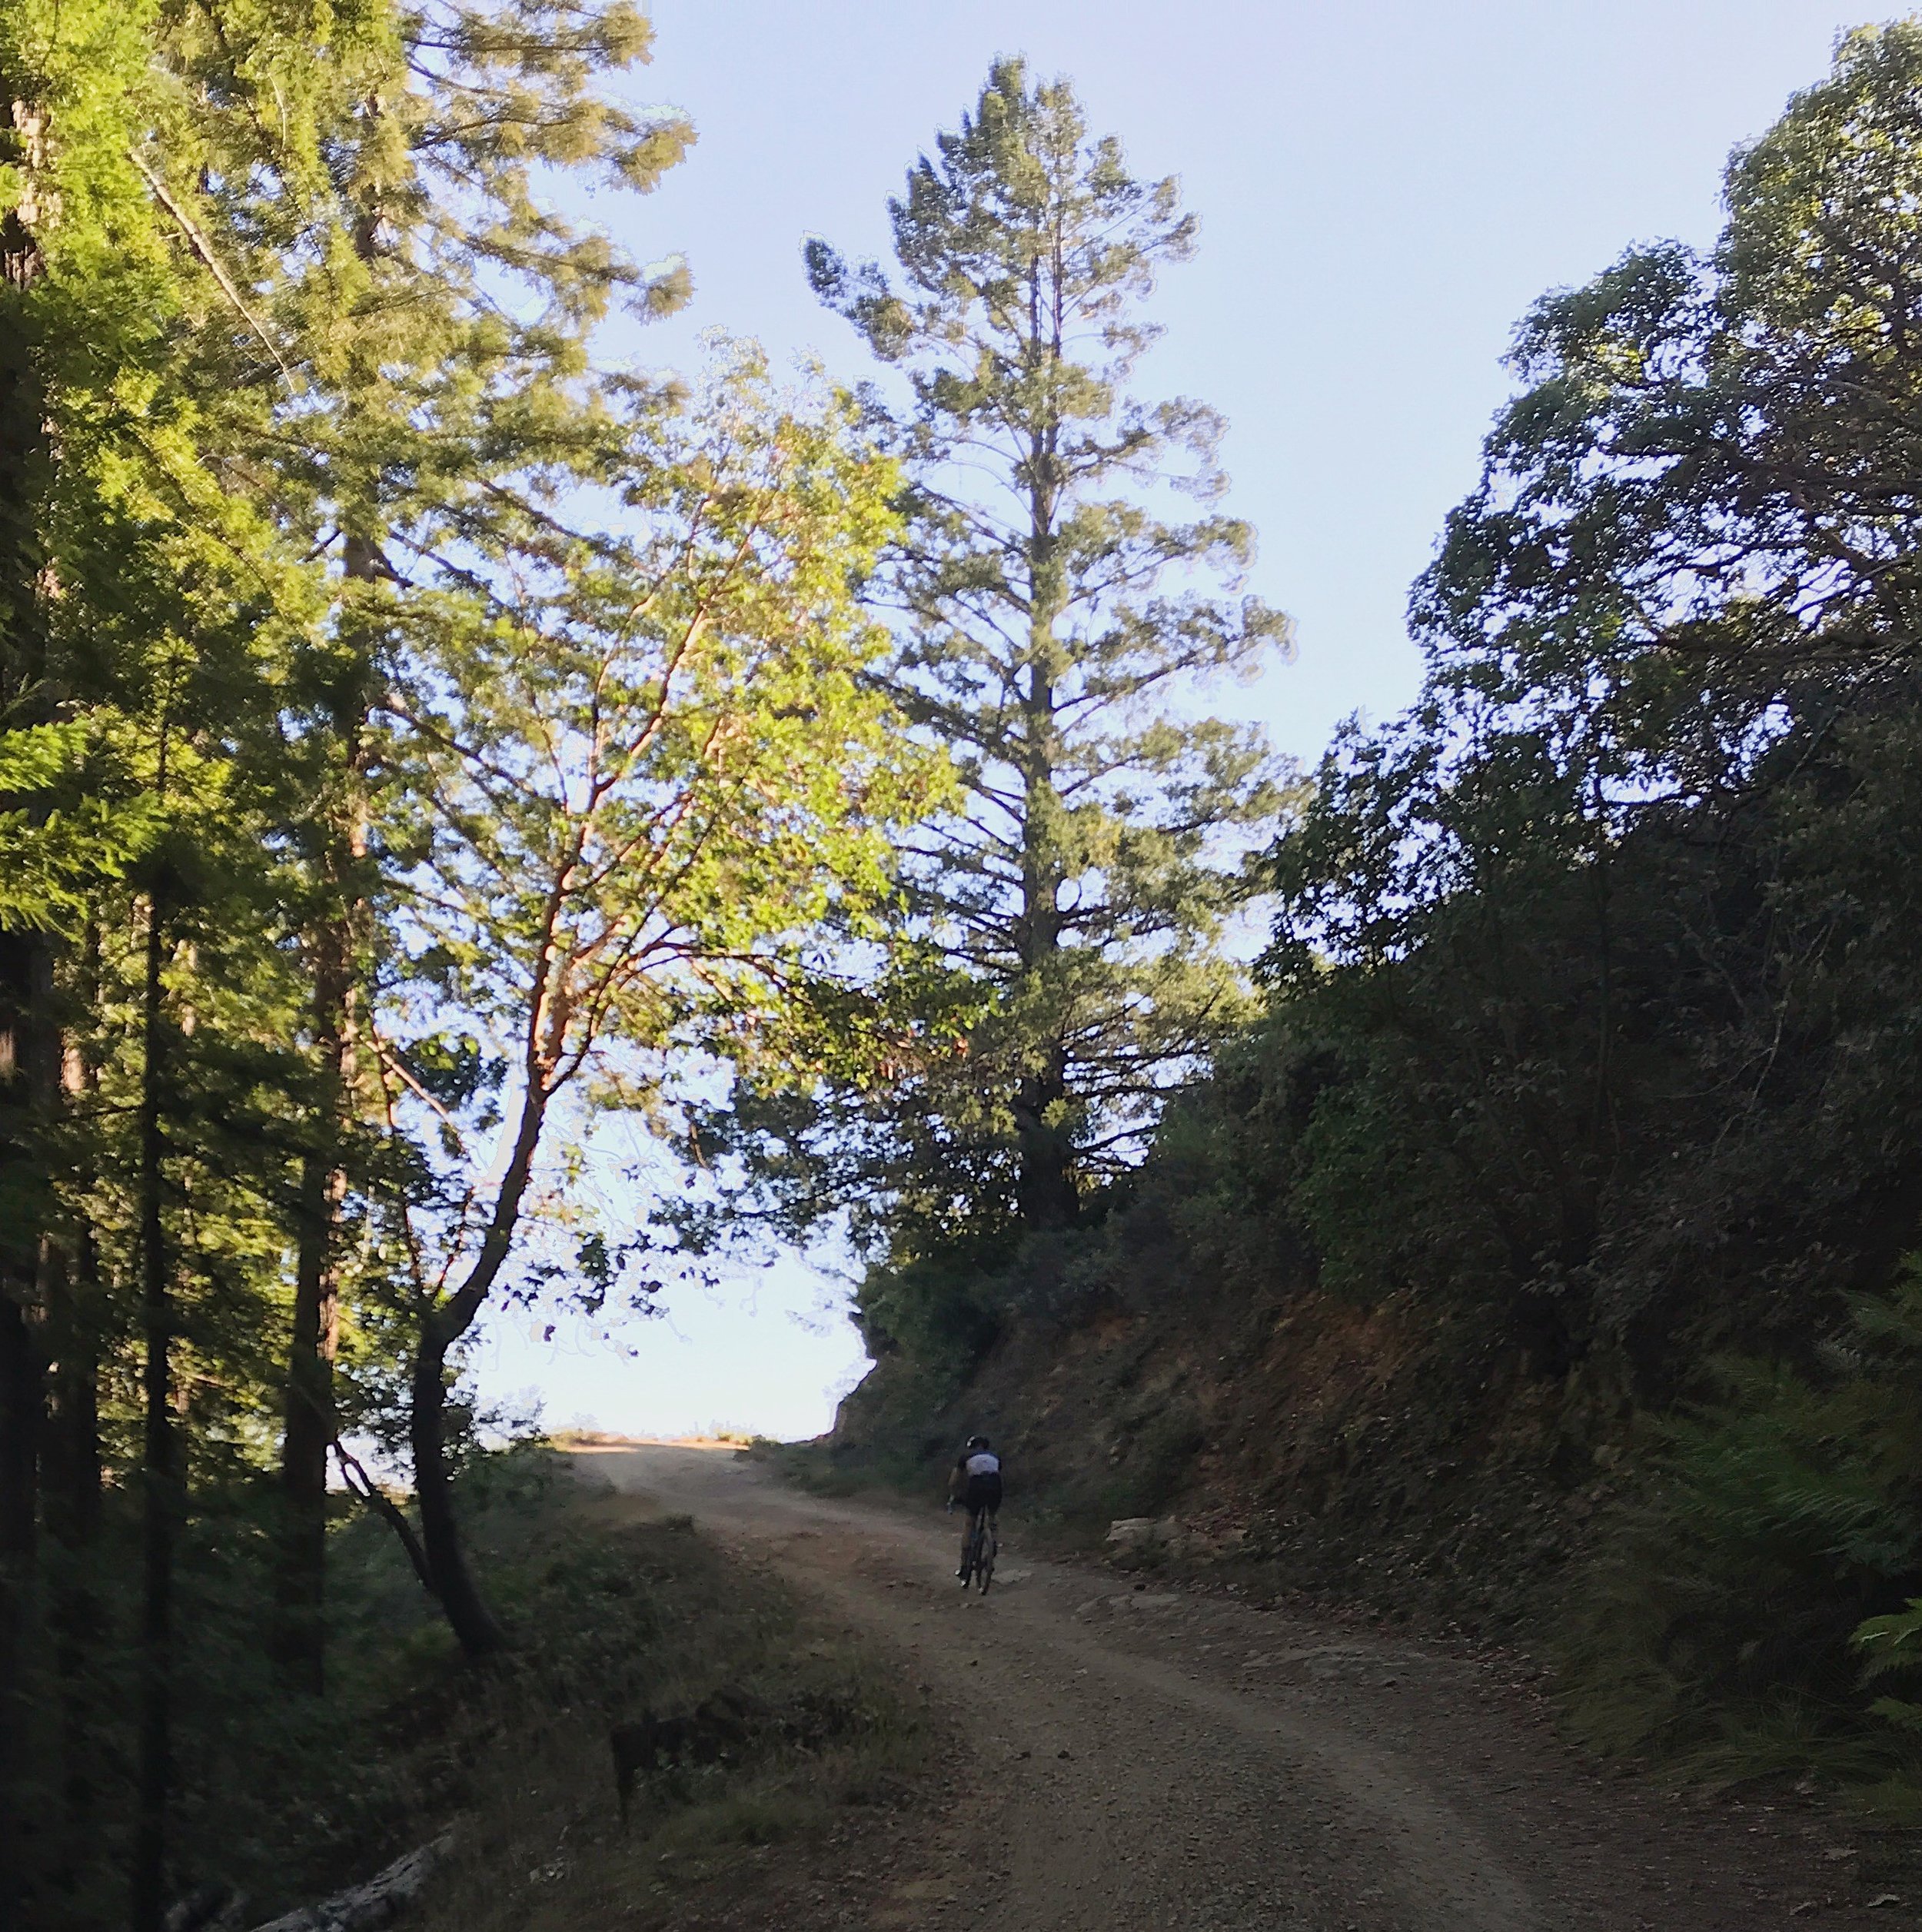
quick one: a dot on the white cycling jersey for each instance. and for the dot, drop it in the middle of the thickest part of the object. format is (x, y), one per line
(983, 1462)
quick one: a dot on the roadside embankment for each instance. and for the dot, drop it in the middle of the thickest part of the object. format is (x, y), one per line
(1358, 1456)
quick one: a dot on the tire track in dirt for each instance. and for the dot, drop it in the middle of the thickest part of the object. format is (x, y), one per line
(1150, 1760)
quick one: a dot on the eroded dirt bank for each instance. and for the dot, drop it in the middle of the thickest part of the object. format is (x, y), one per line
(1149, 1758)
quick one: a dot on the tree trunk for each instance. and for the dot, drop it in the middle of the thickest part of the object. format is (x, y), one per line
(1045, 1196)
(300, 1637)
(72, 1476)
(472, 1623)
(301, 1640)
(443, 1323)
(382, 1899)
(72, 1485)
(70, 1471)
(75, 1302)
(29, 1101)
(160, 1479)
(22, 1375)
(27, 1040)
(20, 1378)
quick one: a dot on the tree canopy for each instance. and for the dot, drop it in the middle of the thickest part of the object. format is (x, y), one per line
(1060, 965)
(407, 719)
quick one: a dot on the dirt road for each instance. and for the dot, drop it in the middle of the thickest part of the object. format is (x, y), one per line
(1154, 1758)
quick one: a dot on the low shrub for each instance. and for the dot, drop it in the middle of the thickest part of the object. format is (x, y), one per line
(1775, 1524)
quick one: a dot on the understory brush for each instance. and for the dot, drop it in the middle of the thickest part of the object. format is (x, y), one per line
(283, 1798)
(1752, 1592)
(644, 1617)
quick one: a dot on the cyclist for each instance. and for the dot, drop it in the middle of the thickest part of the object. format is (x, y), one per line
(975, 1482)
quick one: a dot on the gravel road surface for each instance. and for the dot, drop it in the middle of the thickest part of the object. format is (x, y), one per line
(1150, 1759)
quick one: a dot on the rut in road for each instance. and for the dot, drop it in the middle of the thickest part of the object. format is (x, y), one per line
(1149, 1758)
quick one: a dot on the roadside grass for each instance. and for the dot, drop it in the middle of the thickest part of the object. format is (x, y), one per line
(284, 1800)
(617, 1617)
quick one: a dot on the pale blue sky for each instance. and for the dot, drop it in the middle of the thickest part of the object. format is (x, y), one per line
(1384, 186)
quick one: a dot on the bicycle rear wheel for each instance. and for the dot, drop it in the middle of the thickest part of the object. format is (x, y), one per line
(984, 1556)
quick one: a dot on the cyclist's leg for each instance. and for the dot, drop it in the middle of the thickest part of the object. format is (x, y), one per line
(967, 1542)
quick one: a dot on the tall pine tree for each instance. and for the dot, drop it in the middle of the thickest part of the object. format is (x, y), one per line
(1066, 916)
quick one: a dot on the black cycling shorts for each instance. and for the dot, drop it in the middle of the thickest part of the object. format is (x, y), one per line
(983, 1492)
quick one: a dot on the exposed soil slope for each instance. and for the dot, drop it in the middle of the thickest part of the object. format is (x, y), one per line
(1372, 1456)
(1142, 1756)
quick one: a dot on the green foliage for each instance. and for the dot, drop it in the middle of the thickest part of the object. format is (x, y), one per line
(417, 738)
(1058, 967)
(634, 776)
(1889, 1646)
(1593, 1048)
(1766, 1563)
(1603, 946)
(938, 1310)
(1605, 933)
(404, 717)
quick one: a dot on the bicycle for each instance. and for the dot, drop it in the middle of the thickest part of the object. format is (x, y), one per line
(978, 1552)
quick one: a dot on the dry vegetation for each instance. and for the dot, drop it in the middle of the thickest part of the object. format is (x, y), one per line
(616, 1612)
(645, 1615)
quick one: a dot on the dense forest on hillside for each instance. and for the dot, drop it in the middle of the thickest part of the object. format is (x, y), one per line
(1587, 1060)
(420, 736)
